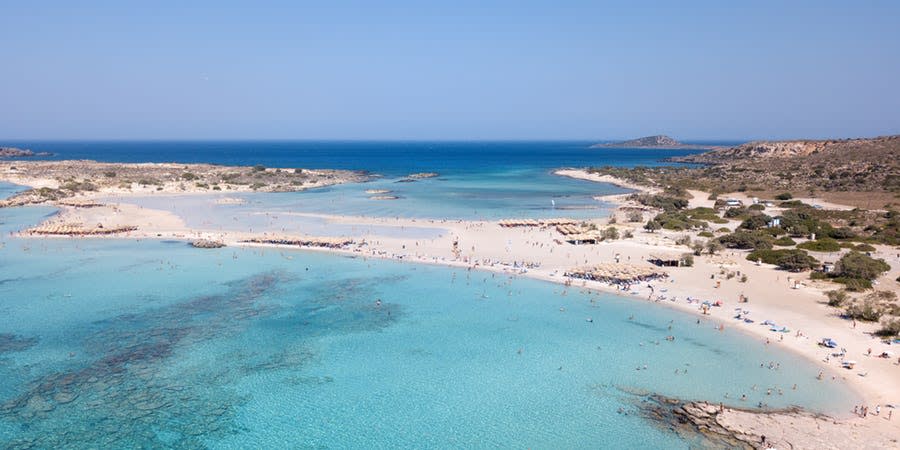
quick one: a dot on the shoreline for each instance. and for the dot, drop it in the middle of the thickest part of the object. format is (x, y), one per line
(879, 386)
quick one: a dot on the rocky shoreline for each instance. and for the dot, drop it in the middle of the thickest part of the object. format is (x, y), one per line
(728, 427)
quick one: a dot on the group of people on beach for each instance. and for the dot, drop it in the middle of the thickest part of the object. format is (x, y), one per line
(863, 411)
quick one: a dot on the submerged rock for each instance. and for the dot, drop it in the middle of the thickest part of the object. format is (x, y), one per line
(14, 343)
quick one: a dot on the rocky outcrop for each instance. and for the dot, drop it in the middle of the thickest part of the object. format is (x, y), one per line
(12, 152)
(207, 243)
(423, 175)
(786, 428)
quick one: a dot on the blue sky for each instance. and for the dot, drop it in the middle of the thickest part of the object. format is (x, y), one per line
(450, 70)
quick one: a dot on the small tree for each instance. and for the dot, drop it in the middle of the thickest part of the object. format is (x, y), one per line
(635, 216)
(796, 261)
(865, 309)
(837, 298)
(756, 222)
(652, 226)
(890, 327)
(687, 260)
(610, 233)
(713, 247)
(857, 265)
(698, 248)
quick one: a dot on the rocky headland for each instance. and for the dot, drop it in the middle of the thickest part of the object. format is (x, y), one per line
(15, 152)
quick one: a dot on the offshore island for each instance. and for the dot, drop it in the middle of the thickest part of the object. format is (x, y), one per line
(653, 142)
(804, 233)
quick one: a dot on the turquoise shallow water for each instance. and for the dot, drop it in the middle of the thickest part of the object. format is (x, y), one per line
(116, 343)
(526, 193)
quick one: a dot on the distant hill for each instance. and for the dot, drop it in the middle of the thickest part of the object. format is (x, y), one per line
(847, 165)
(834, 151)
(658, 141)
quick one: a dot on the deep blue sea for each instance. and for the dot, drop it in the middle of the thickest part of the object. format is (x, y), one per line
(384, 157)
(153, 344)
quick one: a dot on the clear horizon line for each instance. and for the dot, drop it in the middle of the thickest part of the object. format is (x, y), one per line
(298, 139)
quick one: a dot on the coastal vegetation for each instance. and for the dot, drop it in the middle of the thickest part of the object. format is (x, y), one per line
(864, 172)
(746, 240)
(791, 260)
(79, 177)
(821, 245)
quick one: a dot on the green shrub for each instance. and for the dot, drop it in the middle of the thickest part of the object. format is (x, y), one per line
(635, 216)
(705, 234)
(756, 207)
(873, 306)
(889, 328)
(662, 202)
(745, 240)
(837, 298)
(188, 176)
(687, 260)
(76, 186)
(733, 213)
(784, 196)
(784, 242)
(790, 260)
(864, 310)
(259, 168)
(678, 220)
(792, 204)
(841, 233)
(864, 248)
(698, 248)
(755, 222)
(858, 265)
(821, 245)
(854, 284)
(713, 247)
(610, 233)
(109, 174)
